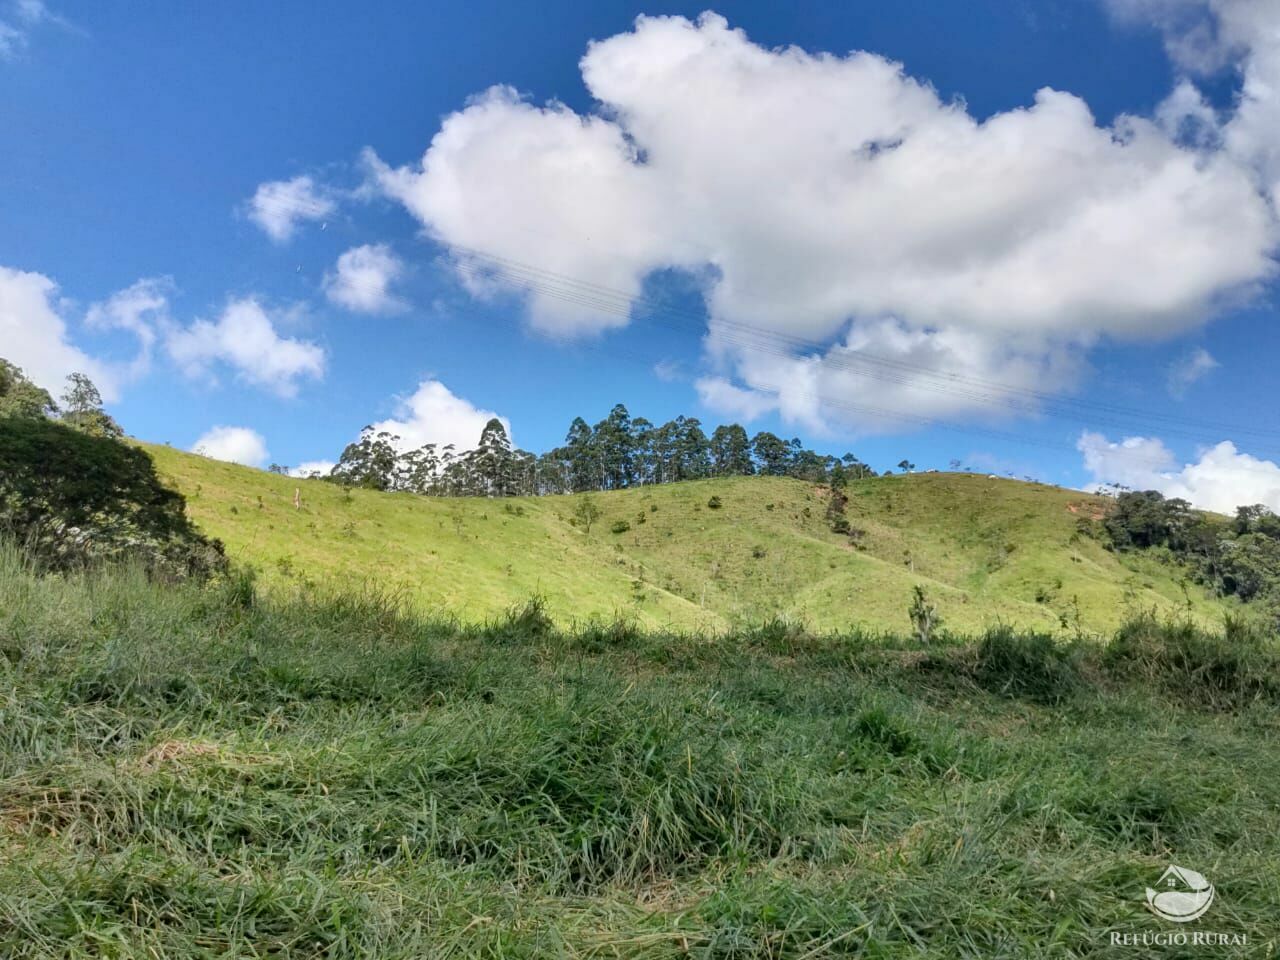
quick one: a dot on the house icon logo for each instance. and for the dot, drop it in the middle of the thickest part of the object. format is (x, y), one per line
(1182, 895)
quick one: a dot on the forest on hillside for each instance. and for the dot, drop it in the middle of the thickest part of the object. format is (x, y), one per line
(618, 452)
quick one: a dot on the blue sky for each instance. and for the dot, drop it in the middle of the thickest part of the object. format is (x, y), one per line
(934, 263)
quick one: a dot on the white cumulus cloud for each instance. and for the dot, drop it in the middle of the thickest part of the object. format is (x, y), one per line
(722, 396)
(1222, 479)
(244, 337)
(233, 444)
(278, 206)
(141, 309)
(434, 414)
(362, 279)
(34, 335)
(835, 203)
(1203, 36)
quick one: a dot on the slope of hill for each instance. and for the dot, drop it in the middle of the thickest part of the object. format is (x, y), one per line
(985, 550)
(185, 773)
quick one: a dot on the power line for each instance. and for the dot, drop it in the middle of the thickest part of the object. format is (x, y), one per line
(979, 391)
(620, 304)
(1156, 464)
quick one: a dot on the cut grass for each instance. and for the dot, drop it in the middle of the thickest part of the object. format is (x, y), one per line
(195, 772)
(986, 551)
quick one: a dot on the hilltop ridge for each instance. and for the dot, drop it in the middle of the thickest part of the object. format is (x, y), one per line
(985, 550)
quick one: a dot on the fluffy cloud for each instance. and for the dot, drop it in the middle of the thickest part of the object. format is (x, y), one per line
(280, 205)
(1221, 479)
(244, 337)
(34, 335)
(363, 277)
(1194, 366)
(434, 414)
(831, 202)
(718, 394)
(234, 444)
(311, 468)
(140, 309)
(886, 375)
(1205, 35)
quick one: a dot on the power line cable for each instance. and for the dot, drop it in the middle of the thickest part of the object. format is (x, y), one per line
(1157, 465)
(980, 391)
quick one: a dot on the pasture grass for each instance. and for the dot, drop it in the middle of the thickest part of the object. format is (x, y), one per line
(221, 771)
(987, 551)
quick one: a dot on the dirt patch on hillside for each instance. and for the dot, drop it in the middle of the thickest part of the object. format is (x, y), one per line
(1094, 511)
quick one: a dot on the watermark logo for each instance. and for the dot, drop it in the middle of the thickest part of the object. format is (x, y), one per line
(1181, 896)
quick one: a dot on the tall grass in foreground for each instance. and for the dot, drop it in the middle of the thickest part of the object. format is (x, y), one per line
(193, 771)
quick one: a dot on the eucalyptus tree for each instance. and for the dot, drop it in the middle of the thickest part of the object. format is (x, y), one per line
(491, 462)
(772, 454)
(580, 453)
(730, 451)
(371, 461)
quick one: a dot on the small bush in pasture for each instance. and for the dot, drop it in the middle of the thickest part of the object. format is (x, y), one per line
(620, 526)
(586, 512)
(597, 636)
(714, 503)
(779, 635)
(925, 621)
(1030, 665)
(1215, 670)
(239, 589)
(523, 623)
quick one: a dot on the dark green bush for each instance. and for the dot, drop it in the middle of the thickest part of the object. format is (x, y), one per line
(597, 636)
(1216, 670)
(71, 499)
(1030, 665)
(523, 623)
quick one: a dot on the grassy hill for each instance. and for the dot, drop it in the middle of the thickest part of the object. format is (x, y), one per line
(985, 550)
(188, 770)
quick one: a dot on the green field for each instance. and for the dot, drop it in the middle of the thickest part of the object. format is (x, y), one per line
(193, 771)
(986, 551)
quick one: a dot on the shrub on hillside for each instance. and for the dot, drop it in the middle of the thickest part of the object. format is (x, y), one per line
(523, 623)
(71, 499)
(598, 636)
(779, 635)
(1030, 665)
(1216, 670)
(923, 613)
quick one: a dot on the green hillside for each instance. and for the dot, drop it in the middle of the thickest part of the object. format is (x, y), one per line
(985, 550)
